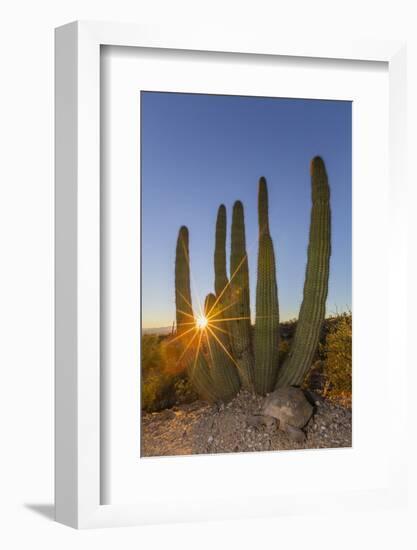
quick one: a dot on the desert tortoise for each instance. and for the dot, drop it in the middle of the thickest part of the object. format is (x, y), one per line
(290, 407)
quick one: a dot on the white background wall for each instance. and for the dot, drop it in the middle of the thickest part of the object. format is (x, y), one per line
(26, 270)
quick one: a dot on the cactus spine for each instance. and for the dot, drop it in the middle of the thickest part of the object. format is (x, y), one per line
(313, 306)
(223, 370)
(240, 301)
(267, 311)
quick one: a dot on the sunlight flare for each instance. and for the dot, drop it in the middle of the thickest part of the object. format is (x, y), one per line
(202, 322)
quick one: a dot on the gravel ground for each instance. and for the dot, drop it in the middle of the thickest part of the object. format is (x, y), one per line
(200, 428)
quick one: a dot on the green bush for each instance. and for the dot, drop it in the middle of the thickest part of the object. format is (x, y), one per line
(337, 357)
(164, 382)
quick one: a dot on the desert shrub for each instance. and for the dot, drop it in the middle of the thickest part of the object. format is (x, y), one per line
(164, 382)
(151, 353)
(172, 356)
(336, 352)
(283, 349)
(156, 385)
(184, 391)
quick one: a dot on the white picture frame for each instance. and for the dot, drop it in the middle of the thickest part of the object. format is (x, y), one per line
(78, 406)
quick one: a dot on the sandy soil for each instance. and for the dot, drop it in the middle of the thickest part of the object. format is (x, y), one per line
(200, 428)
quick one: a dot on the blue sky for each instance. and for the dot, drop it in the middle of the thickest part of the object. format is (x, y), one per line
(199, 151)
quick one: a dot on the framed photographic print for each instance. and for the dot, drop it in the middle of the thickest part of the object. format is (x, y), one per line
(223, 209)
(200, 350)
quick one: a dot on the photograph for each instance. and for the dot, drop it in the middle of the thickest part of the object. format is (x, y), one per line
(246, 274)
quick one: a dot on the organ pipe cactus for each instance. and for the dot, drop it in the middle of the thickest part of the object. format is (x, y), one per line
(313, 306)
(267, 311)
(223, 369)
(240, 301)
(217, 364)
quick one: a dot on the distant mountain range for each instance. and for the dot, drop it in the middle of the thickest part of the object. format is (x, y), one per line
(157, 330)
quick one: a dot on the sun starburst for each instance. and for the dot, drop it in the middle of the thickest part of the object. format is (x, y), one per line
(202, 322)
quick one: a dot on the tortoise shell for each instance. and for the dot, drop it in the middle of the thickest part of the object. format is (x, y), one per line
(290, 406)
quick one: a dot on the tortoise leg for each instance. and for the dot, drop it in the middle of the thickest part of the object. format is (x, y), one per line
(295, 434)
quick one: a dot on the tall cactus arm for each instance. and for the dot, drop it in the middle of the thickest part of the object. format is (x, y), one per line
(183, 303)
(313, 307)
(221, 281)
(267, 310)
(239, 285)
(220, 271)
